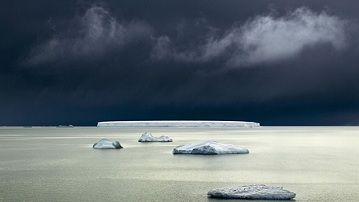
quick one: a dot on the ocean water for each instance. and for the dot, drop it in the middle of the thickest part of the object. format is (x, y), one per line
(59, 164)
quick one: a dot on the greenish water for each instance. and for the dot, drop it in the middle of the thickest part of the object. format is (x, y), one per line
(59, 164)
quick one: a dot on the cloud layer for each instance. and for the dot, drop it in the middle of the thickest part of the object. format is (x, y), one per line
(263, 39)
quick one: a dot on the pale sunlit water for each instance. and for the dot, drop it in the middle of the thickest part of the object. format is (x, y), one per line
(59, 164)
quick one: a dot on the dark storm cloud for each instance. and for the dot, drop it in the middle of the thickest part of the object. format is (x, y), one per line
(277, 62)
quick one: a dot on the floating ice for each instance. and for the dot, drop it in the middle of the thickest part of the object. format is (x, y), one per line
(255, 192)
(107, 144)
(147, 137)
(209, 147)
(177, 124)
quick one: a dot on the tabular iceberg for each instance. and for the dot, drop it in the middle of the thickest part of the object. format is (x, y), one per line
(147, 137)
(254, 192)
(177, 124)
(209, 147)
(107, 144)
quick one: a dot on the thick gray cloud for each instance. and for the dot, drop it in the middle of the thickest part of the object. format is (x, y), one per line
(263, 39)
(93, 35)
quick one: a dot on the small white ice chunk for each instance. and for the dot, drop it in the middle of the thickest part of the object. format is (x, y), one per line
(147, 137)
(209, 147)
(107, 144)
(254, 192)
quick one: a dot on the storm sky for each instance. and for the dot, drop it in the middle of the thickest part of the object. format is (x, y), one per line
(276, 62)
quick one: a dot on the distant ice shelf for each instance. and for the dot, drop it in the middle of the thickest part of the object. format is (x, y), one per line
(177, 124)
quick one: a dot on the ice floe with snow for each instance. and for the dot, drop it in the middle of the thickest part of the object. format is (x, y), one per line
(209, 147)
(107, 144)
(148, 137)
(253, 192)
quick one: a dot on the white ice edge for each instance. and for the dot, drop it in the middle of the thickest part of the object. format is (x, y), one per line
(177, 124)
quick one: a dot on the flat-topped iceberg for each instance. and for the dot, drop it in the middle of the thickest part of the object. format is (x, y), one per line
(177, 124)
(253, 192)
(107, 144)
(147, 137)
(209, 147)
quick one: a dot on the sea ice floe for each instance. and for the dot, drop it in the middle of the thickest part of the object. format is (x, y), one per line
(254, 192)
(209, 147)
(107, 144)
(147, 137)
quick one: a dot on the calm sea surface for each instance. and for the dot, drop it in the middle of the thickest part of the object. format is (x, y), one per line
(59, 164)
